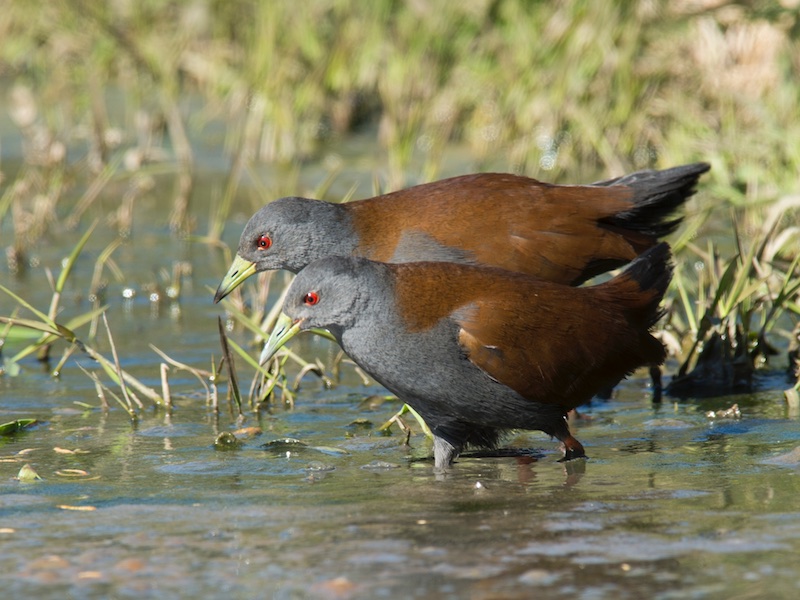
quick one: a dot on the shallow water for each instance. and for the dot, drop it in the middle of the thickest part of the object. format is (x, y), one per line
(671, 503)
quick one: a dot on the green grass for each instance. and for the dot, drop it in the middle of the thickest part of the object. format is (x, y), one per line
(573, 87)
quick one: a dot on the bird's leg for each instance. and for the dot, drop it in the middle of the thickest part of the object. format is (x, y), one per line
(444, 452)
(572, 448)
(655, 375)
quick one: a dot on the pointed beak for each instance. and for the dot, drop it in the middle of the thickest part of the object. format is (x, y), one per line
(285, 329)
(240, 270)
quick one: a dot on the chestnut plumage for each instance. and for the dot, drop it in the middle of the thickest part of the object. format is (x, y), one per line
(479, 350)
(562, 233)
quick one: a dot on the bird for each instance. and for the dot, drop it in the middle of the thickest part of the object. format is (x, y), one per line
(479, 350)
(561, 233)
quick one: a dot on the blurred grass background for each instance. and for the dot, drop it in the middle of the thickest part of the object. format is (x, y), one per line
(561, 87)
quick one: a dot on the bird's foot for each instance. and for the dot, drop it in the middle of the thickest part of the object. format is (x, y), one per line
(572, 449)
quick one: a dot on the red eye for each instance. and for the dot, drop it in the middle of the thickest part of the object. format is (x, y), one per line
(264, 242)
(310, 299)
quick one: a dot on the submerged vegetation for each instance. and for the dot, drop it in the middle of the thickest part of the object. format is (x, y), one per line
(108, 98)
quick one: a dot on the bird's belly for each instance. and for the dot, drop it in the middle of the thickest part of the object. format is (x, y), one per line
(453, 389)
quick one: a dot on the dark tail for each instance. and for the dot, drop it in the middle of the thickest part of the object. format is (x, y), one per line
(635, 297)
(642, 285)
(656, 196)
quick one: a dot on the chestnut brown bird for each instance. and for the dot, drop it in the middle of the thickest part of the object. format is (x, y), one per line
(562, 233)
(478, 350)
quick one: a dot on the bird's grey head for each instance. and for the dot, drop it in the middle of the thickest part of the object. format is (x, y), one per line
(334, 292)
(292, 232)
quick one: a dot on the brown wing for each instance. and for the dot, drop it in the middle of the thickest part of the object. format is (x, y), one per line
(565, 236)
(512, 222)
(560, 345)
(522, 343)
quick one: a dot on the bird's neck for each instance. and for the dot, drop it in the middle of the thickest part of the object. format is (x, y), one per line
(339, 238)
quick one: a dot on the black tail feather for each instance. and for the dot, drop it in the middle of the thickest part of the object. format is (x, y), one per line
(657, 194)
(652, 270)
